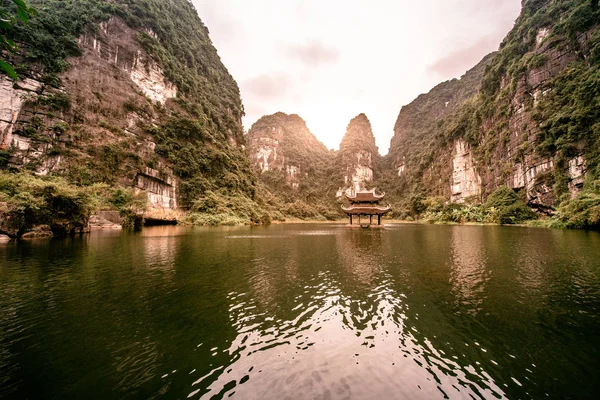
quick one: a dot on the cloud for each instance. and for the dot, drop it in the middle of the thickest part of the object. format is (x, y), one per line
(465, 53)
(313, 53)
(456, 63)
(267, 86)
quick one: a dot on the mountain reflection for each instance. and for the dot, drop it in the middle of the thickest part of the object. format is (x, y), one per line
(301, 311)
(468, 269)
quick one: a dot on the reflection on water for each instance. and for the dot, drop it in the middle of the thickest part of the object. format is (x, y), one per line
(302, 311)
(469, 272)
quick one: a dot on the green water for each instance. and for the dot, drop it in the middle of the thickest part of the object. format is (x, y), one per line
(302, 312)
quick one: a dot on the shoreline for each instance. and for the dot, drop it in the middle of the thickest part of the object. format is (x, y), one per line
(534, 224)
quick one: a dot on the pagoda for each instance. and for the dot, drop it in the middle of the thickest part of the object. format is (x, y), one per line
(365, 203)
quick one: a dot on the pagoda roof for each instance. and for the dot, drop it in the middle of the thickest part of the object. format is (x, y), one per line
(366, 210)
(366, 196)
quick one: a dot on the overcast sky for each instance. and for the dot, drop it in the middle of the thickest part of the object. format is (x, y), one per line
(329, 60)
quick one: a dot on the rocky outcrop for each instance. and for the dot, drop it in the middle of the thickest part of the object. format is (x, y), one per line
(534, 172)
(283, 144)
(520, 109)
(359, 170)
(417, 125)
(114, 43)
(466, 182)
(105, 220)
(12, 96)
(126, 98)
(160, 187)
(358, 152)
(40, 231)
(577, 170)
(265, 154)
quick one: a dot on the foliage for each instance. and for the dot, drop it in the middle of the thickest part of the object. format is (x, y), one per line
(358, 136)
(203, 162)
(222, 208)
(569, 116)
(130, 204)
(9, 16)
(502, 207)
(502, 197)
(28, 200)
(582, 212)
(314, 198)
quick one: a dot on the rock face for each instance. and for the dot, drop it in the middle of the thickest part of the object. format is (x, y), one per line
(466, 182)
(161, 187)
(92, 88)
(105, 220)
(283, 144)
(129, 110)
(12, 97)
(451, 171)
(358, 153)
(113, 43)
(513, 119)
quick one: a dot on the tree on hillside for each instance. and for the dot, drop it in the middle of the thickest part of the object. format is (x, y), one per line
(8, 17)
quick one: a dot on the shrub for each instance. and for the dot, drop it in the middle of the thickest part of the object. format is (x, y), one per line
(502, 196)
(584, 210)
(29, 200)
(515, 213)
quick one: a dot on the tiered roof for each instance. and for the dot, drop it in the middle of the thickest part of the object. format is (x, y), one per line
(365, 202)
(367, 196)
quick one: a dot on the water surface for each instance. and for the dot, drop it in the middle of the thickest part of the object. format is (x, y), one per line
(302, 312)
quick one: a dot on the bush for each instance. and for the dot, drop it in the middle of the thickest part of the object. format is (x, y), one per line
(505, 207)
(220, 208)
(515, 213)
(29, 200)
(583, 212)
(502, 196)
(299, 209)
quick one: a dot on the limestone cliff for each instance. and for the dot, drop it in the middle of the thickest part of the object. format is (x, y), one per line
(115, 92)
(417, 130)
(282, 143)
(358, 154)
(525, 117)
(301, 177)
(297, 172)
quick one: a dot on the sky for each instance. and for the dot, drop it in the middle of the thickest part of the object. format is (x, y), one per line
(330, 60)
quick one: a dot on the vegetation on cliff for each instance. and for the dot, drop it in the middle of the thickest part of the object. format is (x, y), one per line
(27, 201)
(358, 137)
(510, 114)
(197, 135)
(8, 18)
(503, 206)
(424, 128)
(309, 191)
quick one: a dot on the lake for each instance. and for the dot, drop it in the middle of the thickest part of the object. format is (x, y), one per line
(302, 311)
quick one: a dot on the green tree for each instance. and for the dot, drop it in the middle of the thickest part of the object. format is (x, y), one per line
(8, 18)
